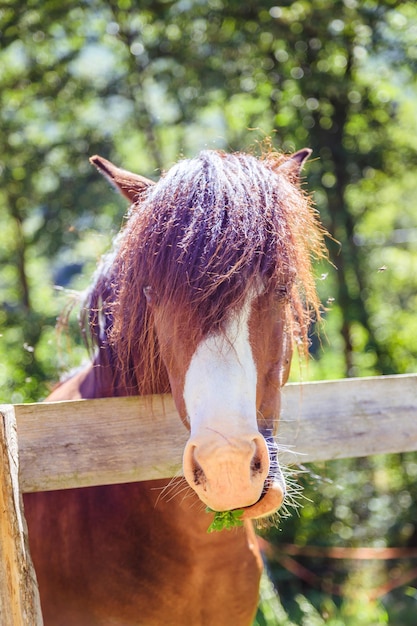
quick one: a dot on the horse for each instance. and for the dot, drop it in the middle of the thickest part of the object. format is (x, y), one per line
(208, 286)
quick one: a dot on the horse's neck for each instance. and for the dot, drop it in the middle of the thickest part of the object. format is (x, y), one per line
(96, 380)
(101, 379)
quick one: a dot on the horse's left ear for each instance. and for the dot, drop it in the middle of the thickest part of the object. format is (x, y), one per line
(293, 164)
(130, 185)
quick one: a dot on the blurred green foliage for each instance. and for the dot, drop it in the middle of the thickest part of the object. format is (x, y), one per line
(144, 86)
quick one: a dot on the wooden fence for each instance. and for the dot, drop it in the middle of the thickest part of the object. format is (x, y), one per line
(116, 440)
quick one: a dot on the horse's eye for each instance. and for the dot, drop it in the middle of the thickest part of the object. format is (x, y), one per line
(149, 293)
(281, 292)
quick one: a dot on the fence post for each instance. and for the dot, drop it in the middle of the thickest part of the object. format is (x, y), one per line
(19, 595)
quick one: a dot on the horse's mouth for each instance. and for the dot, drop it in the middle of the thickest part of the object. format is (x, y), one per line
(270, 501)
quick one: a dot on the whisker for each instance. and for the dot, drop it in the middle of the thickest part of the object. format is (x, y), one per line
(168, 491)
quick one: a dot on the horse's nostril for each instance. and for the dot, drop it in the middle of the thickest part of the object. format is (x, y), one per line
(256, 465)
(198, 474)
(259, 465)
(199, 478)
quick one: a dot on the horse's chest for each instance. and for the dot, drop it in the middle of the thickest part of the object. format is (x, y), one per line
(110, 556)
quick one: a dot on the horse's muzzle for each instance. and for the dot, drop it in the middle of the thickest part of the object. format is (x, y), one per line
(236, 472)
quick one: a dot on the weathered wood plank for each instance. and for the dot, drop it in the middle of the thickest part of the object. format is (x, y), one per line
(92, 442)
(19, 596)
(350, 418)
(83, 443)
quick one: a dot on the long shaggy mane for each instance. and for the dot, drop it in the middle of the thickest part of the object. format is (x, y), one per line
(212, 228)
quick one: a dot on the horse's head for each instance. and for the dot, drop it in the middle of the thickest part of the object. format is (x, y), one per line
(226, 386)
(213, 268)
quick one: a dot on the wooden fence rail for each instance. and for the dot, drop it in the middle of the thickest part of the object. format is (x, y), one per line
(116, 440)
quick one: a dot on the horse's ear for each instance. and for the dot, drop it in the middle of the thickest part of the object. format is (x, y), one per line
(130, 185)
(293, 164)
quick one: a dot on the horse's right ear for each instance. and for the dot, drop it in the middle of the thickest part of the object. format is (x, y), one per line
(130, 185)
(293, 164)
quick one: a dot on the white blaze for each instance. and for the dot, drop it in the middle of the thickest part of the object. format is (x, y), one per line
(226, 459)
(220, 384)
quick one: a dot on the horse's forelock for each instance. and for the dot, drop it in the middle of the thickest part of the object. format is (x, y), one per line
(216, 228)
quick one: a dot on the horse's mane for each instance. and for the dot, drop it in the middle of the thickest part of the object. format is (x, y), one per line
(212, 228)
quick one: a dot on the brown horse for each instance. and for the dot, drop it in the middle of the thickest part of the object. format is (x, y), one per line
(208, 284)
